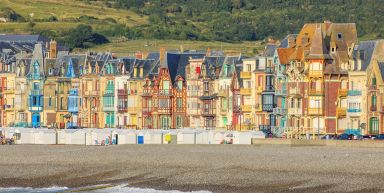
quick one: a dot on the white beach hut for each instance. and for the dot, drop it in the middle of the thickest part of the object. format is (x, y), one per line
(75, 137)
(219, 137)
(45, 136)
(126, 137)
(186, 137)
(202, 137)
(27, 136)
(242, 137)
(153, 137)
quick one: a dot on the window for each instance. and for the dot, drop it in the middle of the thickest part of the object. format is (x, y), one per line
(180, 84)
(50, 71)
(374, 125)
(299, 103)
(374, 81)
(339, 36)
(179, 122)
(179, 102)
(373, 98)
(50, 102)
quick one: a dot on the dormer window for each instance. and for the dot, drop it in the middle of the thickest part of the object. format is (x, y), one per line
(339, 36)
(362, 55)
(50, 71)
(180, 84)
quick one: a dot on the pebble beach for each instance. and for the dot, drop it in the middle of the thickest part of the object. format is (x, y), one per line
(215, 168)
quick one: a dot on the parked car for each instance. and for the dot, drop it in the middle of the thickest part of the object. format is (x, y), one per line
(380, 137)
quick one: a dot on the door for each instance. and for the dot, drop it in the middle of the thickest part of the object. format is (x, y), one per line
(35, 120)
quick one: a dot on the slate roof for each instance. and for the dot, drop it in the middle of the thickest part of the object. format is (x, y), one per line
(269, 50)
(381, 68)
(317, 49)
(177, 61)
(367, 47)
(284, 43)
(23, 38)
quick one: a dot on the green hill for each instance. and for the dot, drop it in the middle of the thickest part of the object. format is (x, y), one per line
(205, 23)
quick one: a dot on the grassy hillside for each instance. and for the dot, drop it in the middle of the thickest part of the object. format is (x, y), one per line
(71, 9)
(122, 48)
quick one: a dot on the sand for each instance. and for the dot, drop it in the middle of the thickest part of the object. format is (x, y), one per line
(217, 168)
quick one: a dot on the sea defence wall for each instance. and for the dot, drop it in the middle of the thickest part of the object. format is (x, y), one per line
(331, 143)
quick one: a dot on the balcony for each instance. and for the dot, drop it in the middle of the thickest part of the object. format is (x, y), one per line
(36, 92)
(122, 92)
(245, 91)
(269, 88)
(92, 93)
(9, 107)
(294, 92)
(35, 108)
(315, 92)
(223, 92)
(266, 128)
(147, 110)
(208, 112)
(147, 92)
(372, 88)
(132, 92)
(108, 108)
(341, 112)
(268, 107)
(246, 108)
(315, 111)
(354, 112)
(122, 108)
(373, 108)
(343, 92)
(246, 75)
(8, 90)
(354, 92)
(165, 92)
(315, 73)
(295, 111)
(279, 111)
(281, 92)
(269, 70)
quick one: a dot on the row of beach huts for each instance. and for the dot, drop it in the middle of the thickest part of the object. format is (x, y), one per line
(91, 136)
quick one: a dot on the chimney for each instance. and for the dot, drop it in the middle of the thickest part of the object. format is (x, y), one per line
(291, 41)
(53, 49)
(162, 55)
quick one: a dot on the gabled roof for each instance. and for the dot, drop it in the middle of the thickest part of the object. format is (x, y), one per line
(317, 49)
(285, 54)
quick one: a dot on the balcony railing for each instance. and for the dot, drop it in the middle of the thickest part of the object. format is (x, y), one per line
(281, 92)
(316, 92)
(316, 73)
(343, 92)
(246, 75)
(246, 108)
(372, 88)
(353, 110)
(245, 91)
(147, 92)
(354, 92)
(294, 92)
(147, 110)
(165, 92)
(92, 92)
(269, 70)
(258, 107)
(269, 88)
(8, 90)
(341, 112)
(373, 108)
(279, 111)
(208, 112)
(268, 107)
(295, 111)
(9, 107)
(122, 92)
(266, 128)
(36, 92)
(315, 111)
